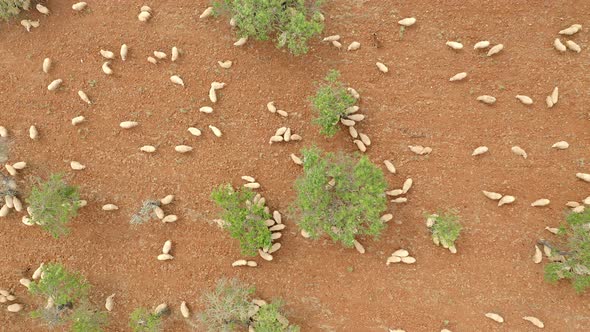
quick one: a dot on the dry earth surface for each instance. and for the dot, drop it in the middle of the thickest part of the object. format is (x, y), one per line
(326, 287)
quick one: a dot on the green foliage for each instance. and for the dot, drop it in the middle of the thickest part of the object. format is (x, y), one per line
(142, 320)
(291, 22)
(446, 228)
(53, 204)
(85, 319)
(573, 264)
(244, 220)
(340, 196)
(270, 319)
(9, 8)
(228, 307)
(64, 287)
(331, 102)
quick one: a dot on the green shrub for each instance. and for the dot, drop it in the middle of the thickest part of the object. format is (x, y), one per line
(68, 292)
(87, 320)
(331, 102)
(244, 220)
(142, 320)
(573, 264)
(270, 319)
(9, 8)
(228, 307)
(340, 196)
(53, 203)
(445, 228)
(291, 22)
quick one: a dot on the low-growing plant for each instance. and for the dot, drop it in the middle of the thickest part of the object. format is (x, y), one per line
(331, 102)
(10, 8)
(292, 23)
(572, 261)
(243, 218)
(228, 306)
(53, 203)
(445, 228)
(146, 212)
(142, 320)
(66, 294)
(271, 319)
(341, 196)
(86, 319)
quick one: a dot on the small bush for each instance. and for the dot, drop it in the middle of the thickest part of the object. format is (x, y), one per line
(270, 319)
(340, 196)
(331, 102)
(53, 203)
(228, 307)
(64, 287)
(244, 220)
(87, 320)
(68, 292)
(445, 228)
(573, 264)
(146, 212)
(292, 23)
(142, 320)
(9, 8)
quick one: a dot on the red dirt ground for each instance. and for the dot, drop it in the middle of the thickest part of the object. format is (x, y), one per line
(326, 287)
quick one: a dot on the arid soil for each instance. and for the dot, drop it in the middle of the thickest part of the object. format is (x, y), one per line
(326, 287)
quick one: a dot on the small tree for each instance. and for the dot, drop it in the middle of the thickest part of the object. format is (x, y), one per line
(331, 103)
(9, 8)
(445, 228)
(573, 264)
(67, 299)
(340, 196)
(228, 307)
(291, 22)
(270, 319)
(142, 320)
(243, 218)
(53, 203)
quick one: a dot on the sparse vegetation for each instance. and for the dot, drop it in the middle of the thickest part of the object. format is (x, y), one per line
(340, 196)
(270, 319)
(243, 218)
(445, 228)
(3, 150)
(573, 264)
(331, 102)
(146, 212)
(290, 23)
(228, 306)
(53, 203)
(10, 8)
(67, 300)
(142, 320)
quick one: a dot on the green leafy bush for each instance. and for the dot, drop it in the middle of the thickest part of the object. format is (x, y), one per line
(291, 22)
(340, 196)
(244, 220)
(331, 102)
(9, 8)
(270, 319)
(64, 287)
(53, 203)
(573, 264)
(445, 229)
(142, 320)
(67, 296)
(228, 306)
(87, 320)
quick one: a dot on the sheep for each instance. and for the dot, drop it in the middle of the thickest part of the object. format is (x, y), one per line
(128, 124)
(481, 45)
(559, 45)
(79, 6)
(407, 22)
(241, 41)
(77, 166)
(458, 77)
(573, 29)
(382, 67)
(46, 65)
(495, 317)
(183, 148)
(561, 145)
(496, 49)
(517, 150)
(225, 64)
(33, 133)
(147, 148)
(480, 150)
(207, 12)
(110, 302)
(84, 97)
(331, 38)
(184, 310)
(525, 99)
(535, 321)
(77, 120)
(106, 69)
(177, 80)
(486, 99)
(354, 46)
(454, 45)
(175, 54)
(573, 46)
(107, 54)
(54, 84)
(123, 52)
(390, 167)
(215, 131)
